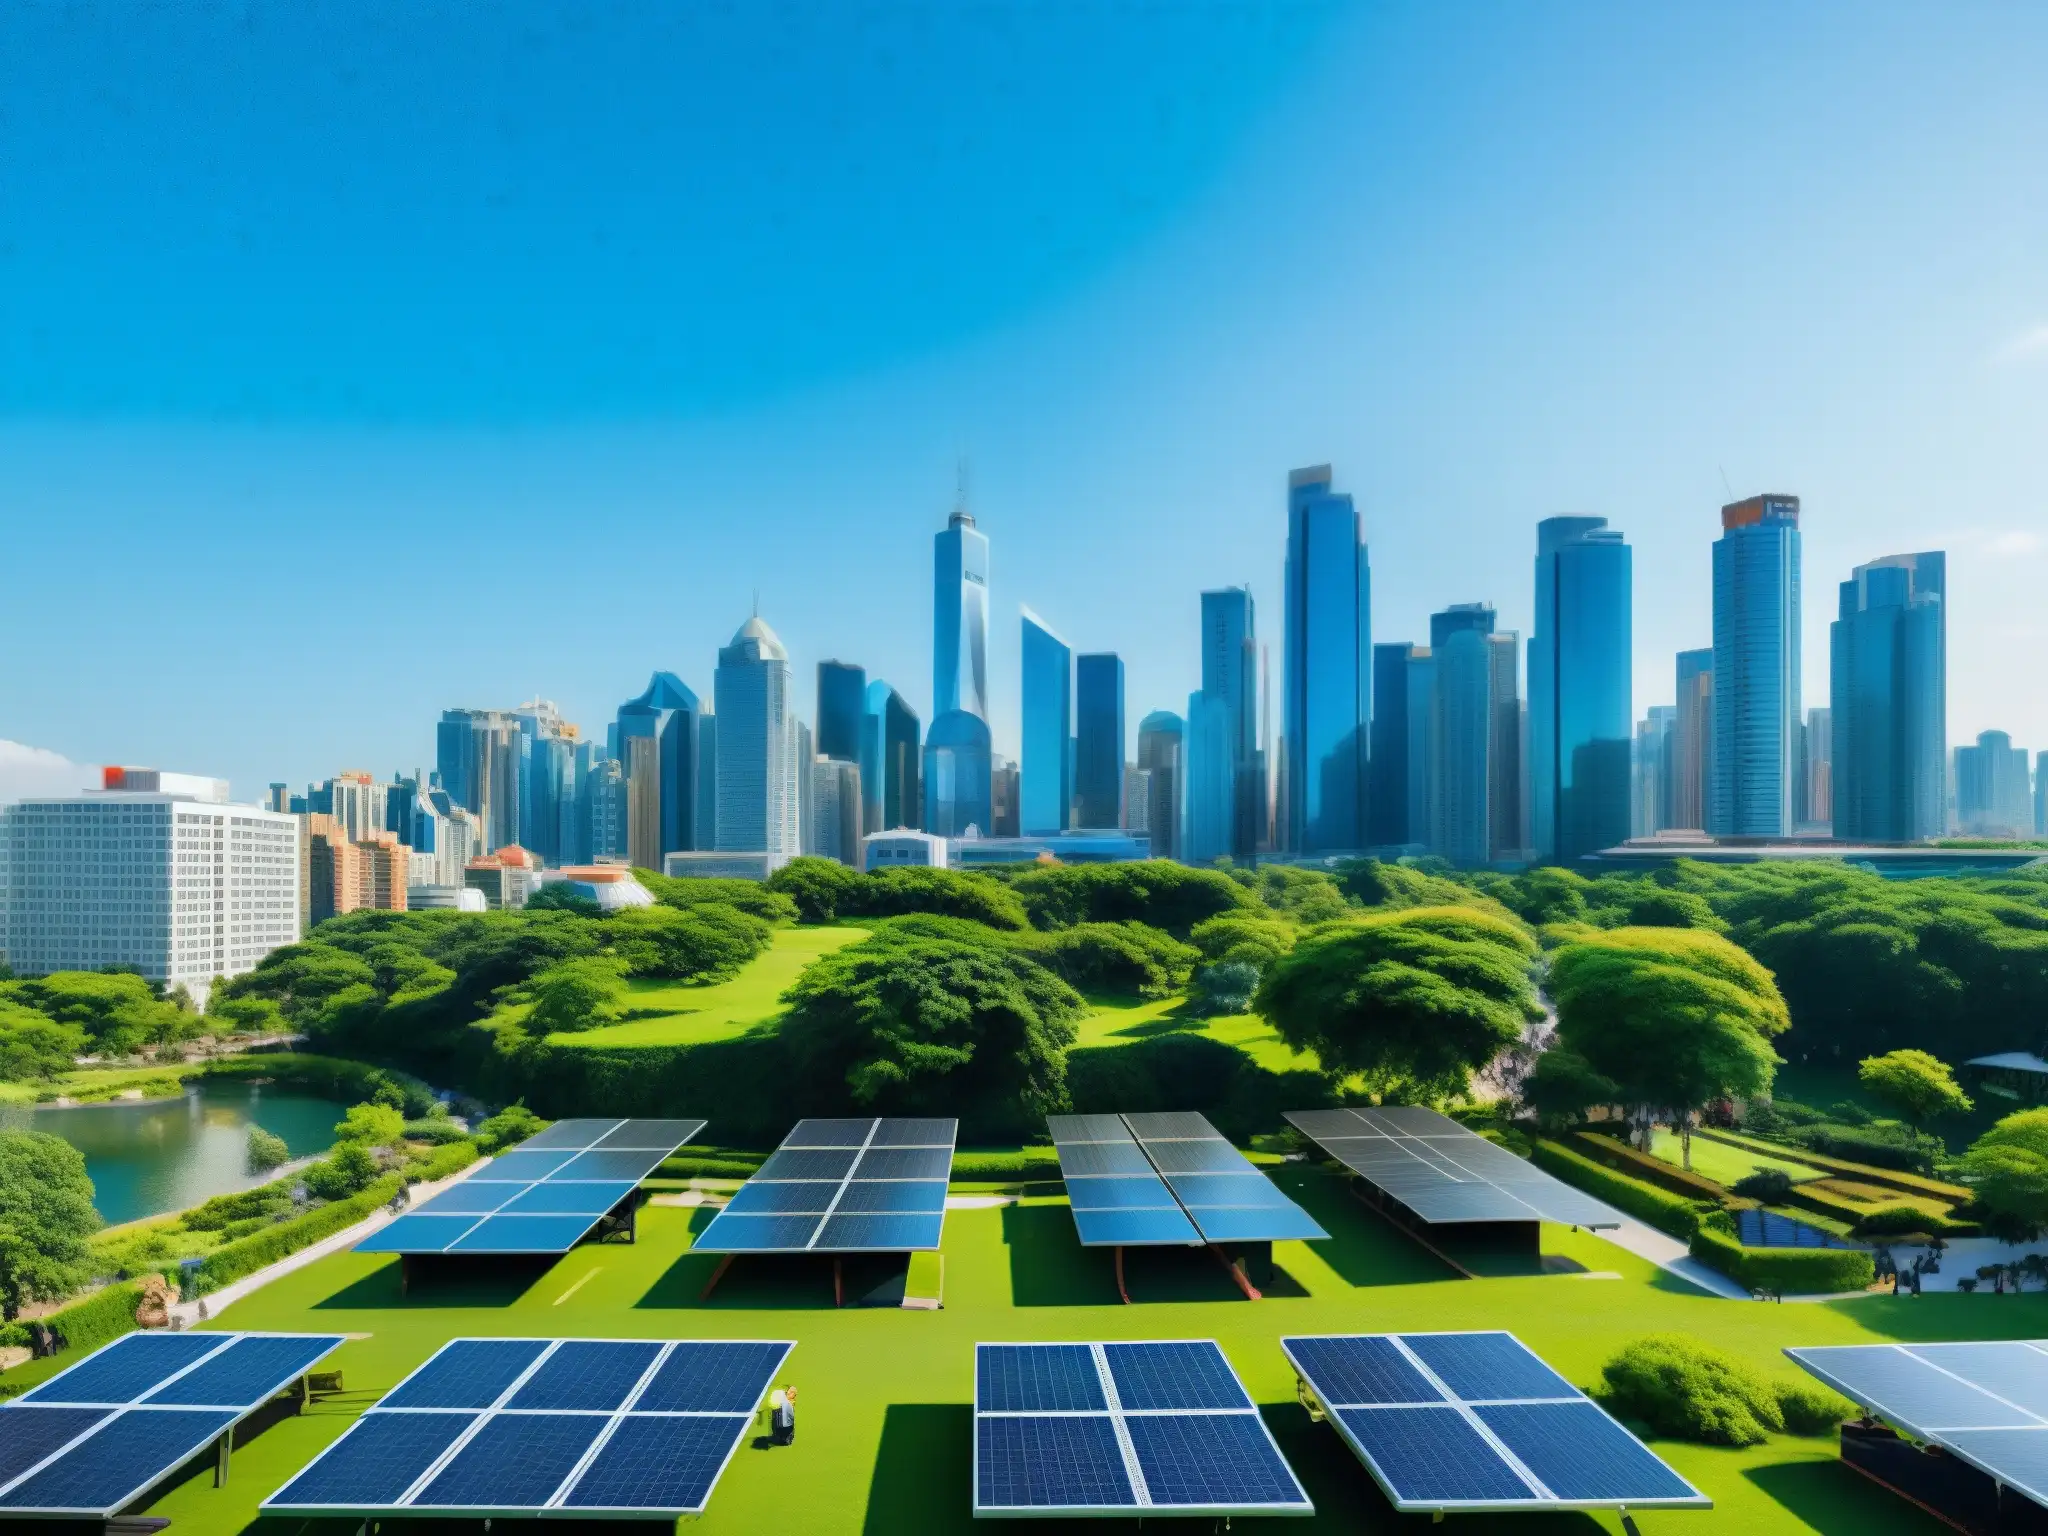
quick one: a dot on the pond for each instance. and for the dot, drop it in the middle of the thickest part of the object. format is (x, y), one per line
(157, 1155)
(1768, 1229)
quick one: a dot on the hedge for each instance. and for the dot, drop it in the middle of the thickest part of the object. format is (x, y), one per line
(1798, 1271)
(1029, 1165)
(1893, 1178)
(1666, 1212)
(1641, 1165)
(99, 1319)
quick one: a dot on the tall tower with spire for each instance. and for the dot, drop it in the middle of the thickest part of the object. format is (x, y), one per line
(960, 615)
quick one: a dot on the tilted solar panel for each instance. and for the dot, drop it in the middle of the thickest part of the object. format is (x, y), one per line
(1472, 1421)
(1156, 1180)
(546, 1428)
(1151, 1428)
(1985, 1403)
(94, 1438)
(1443, 1172)
(843, 1186)
(543, 1197)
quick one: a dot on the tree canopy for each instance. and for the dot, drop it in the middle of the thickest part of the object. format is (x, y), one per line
(2008, 1167)
(46, 1216)
(118, 1011)
(1155, 891)
(34, 1045)
(1414, 1000)
(1918, 1085)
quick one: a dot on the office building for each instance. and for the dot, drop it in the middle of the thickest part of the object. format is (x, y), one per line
(353, 874)
(1003, 784)
(806, 782)
(606, 797)
(1162, 738)
(1225, 764)
(842, 701)
(1692, 739)
(1208, 816)
(1327, 667)
(902, 849)
(354, 799)
(757, 742)
(547, 779)
(2041, 795)
(1580, 689)
(660, 743)
(1475, 731)
(1757, 708)
(960, 618)
(1992, 798)
(157, 871)
(1108, 846)
(1650, 811)
(836, 816)
(722, 865)
(1888, 694)
(506, 876)
(1045, 794)
(1386, 797)
(959, 763)
(1420, 815)
(1099, 739)
(278, 798)
(476, 754)
(891, 761)
(1137, 799)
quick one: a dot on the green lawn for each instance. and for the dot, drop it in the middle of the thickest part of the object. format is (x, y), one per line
(886, 1427)
(1119, 1021)
(690, 1015)
(94, 1084)
(1725, 1164)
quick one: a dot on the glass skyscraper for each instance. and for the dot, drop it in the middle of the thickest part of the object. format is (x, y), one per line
(1045, 793)
(757, 746)
(1099, 740)
(476, 753)
(890, 781)
(656, 742)
(842, 700)
(1751, 791)
(1230, 676)
(1386, 797)
(1328, 667)
(1888, 690)
(958, 760)
(1991, 788)
(1580, 689)
(1465, 728)
(1692, 740)
(960, 618)
(1161, 752)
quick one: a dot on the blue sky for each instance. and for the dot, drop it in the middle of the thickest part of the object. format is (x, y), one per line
(360, 360)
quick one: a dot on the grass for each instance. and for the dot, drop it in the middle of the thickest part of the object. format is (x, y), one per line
(92, 1085)
(1724, 1164)
(677, 1014)
(886, 1429)
(1122, 1021)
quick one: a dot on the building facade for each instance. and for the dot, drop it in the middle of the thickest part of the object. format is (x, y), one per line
(836, 817)
(1581, 687)
(757, 746)
(1162, 737)
(891, 761)
(1692, 739)
(476, 755)
(959, 763)
(1757, 709)
(1651, 806)
(1099, 740)
(1045, 793)
(1327, 668)
(842, 701)
(1992, 795)
(1386, 796)
(658, 740)
(960, 618)
(1888, 696)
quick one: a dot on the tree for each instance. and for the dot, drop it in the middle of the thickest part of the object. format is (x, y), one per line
(2008, 1168)
(1413, 999)
(1156, 891)
(1674, 1017)
(34, 1045)
(1224, 989)
(750, 896)
(1252, 938)
(118, 1010)
(1563, 1086)
(371, 1125)
(693, 944)
(564, 896)
(46, 1215)
(507, 1128)
(300, 979)
(575, 995)
(1128, 958)
(1919, 1086)
(824, 890)
(348, 1170)
(266, 1150)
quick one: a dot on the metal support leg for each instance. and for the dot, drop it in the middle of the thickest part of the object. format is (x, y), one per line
(223, 1449)
(838, 1284)
(1243, 1280)
(717, 1275)
(1120, 1275)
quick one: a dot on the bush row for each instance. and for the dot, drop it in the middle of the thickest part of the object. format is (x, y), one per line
(1666, 1212)
(1641, 1165)
(85, 1325)
(1891, 1178)
(1796, 1271)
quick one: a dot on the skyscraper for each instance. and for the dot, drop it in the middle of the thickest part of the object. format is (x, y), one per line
(657, 741)
(547, 777)
(1230, 678)
(1476, 797)
(835, 810)
(1386, 799)
(960, 618)
(1002, 797)
(958, 766)
(1756, 669)
(2041, 795)
(1580, 689)
(1652, 796)
(1046, 789)
(1991, 788)
(1161, 735)
(757, 766)
(1328, 666)
(1888, 687)
(1099, 739)
(842, 700)
(1420, 817)
(1692, 740)
(890, 755)
(476, 752)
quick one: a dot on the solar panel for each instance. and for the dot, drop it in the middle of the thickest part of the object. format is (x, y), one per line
(536, 1427)
(94, 1438)
(1443, 1172)
(843, 1186)
(1985, 1403)
(545, 1196)
(1122, 1429)
(1472, 1421)
(1151, 1180)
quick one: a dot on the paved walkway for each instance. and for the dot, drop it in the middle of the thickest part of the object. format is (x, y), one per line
(1669, 1254)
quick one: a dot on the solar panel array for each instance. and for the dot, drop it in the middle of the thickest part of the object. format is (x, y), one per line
(94, 1438)
(1472, 1421)
(1156, 1179)
(1122, 1429)
(843, 1186)
(1443, 1172)
(542, 1197)
(570, 1428)
(1986, 1404)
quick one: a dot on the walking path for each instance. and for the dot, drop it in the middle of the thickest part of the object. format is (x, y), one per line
(1669, 1254)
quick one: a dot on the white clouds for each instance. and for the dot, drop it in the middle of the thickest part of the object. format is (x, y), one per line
(2025, 346)
(2015, 541)
(28, 770)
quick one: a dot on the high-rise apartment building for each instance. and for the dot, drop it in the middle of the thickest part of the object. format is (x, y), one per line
(842, 701)
(960, 618)
(1888, 688)
(1580, 689)
(1161, 739)
(1227, 762)
(345, 874)
(1099, 740)
(156, 871)
(664, 746)
(836, 815)
(1386, 798)
(1475, 737)
(1757, 710)
(1327, 675)
(354, 799)
(1045, 793)
(1651, 800)
(757, 744)
(1421, 733)
(476, 752)
(1992, 798)
(547, 780)
(890, 761)
(1692, 740)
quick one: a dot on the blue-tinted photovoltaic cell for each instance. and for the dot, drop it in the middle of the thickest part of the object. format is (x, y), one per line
(468, 1198)
(724, 1377)
(556, 1199)
(1113, 1194)
(381, 1456)
(662, 1136)
(829, 1133)
(520, 1167)
(1210, 1459)
(118, 1460)
(1222, 1225)
(802, 1164)
(418, 1233)
(904, 1163)
(467, 1373)
(1194, 1156)
(897, 1232)
(776, 1197)
(585, 1133)
(658, 1464)
(1177, 1375)
(126, 1369)
(1049, 1463)
(1234, 1189)
(912, 1131)
(1086, 1159)
(514, 1461)
(249, 1371)
(612, 1166)
(1428, 1413)
(756, 1234)
(1037, 1378)
(1159, 1179)
(28, 1434)
(587, 1375)
(1135, 1228)
(876, 1196)
(880, 1198)
(523, 1234)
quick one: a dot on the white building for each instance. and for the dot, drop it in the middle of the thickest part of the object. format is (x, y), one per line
(445, 898)
(758, 800)
(901, 847)
(157, 871)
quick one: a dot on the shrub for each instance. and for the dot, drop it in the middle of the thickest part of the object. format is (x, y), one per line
(1794, 1271)
(1225, 989)
(1641, 1165)
(1767, 1186)
(1130, 958)
(507, 1128)
(370, 1125)
(1685, 1389)
(1665, 1211)
(1896, 1221)
(99, 1319)
(348, 1170)
(1158, 891)
(1876, 1145)
(439, 1131)
(266, 1150)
